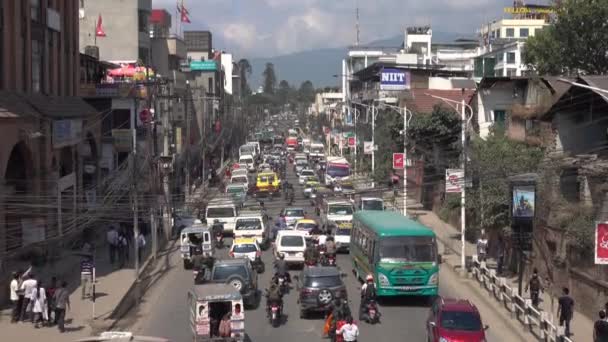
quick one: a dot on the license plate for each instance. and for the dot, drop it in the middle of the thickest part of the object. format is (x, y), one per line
(372, 312)
(291, 253)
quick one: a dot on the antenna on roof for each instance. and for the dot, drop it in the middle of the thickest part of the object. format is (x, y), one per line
(357, 24)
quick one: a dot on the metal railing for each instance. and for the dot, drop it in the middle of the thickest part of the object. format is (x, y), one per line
(537, 321)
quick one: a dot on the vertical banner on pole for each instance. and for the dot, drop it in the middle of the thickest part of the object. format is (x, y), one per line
(601, 243)
(398, 161)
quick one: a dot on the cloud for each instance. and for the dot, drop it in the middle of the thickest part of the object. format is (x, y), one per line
(254, 28)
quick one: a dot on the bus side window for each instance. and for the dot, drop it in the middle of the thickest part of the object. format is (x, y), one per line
(370, 251)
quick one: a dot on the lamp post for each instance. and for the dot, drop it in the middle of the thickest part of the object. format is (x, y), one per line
(464, 122)
(374, 112)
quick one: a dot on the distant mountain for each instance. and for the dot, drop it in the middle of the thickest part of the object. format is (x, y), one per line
(320, 65)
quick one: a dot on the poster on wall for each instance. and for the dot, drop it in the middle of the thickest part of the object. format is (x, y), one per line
(454, 179)
(523, 201)
(202, 318)
(601, 243)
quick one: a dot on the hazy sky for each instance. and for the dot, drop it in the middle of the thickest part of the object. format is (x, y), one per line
(259, 28)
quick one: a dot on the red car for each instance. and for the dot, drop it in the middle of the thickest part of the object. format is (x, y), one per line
(455, 320)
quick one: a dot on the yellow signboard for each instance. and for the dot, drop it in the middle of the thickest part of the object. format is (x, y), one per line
(527, 10)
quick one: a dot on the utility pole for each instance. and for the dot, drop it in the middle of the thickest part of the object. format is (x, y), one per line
(405, 124)
(373, 144)
(357, 25)
(187, 99)
(135, 195)
(463, 218)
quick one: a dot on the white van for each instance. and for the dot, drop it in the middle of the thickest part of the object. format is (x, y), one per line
(258, 151)
(240, 179)
(251, 225)
(292, 245)
(247, 150)
(249, 160)
(224, 211)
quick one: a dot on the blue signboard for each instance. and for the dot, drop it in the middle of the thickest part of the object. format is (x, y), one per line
(394, 79)
(203, 65)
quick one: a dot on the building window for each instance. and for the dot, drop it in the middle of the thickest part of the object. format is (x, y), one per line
(35, 10)
(511, 72)
(36, 66)
(498, 33)
(142, 21)
(510, 32)
(524, 32)
(499, 57)
(500, 117)
(511, 57)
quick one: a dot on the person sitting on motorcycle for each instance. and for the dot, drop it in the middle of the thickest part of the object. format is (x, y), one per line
(274, 296)
(311, 254)
(282, 269)
(217, 228)
(330, 247)
(368, 292)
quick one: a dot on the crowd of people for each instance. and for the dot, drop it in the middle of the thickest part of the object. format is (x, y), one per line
(120, 242)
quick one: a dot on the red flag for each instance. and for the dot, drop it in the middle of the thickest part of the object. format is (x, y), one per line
(184, 14)
(99, 32)
(181, 8)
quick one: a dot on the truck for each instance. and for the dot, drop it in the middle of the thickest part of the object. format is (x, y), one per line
(292, 143)
(337, 170)
(317, 151)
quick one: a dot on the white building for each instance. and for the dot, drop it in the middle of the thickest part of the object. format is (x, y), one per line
(227, 68)
(358, 58)
(326, 101)
(418, 40)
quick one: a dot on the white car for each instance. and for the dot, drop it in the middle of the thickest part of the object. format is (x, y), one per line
(303, 177)
(245, 248)
(241, 172)
(241, 180)
(249, 160)
(291, 244)
(292, 215)
(342, 237)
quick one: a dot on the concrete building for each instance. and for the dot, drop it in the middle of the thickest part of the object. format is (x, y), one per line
(227, 68)
(126, 24)
(418, 41)
(326, 101)
(49, 137)
(199, 45)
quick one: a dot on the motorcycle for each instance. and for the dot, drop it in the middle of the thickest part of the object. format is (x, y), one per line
(275, 315)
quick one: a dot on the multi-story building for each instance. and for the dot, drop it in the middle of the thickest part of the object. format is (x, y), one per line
(49, 137)
(199, 45)
(126, 25)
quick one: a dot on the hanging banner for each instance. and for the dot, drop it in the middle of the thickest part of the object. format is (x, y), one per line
(454, 180)
(368, 147)
(352, 141)
(398, 160)
(601, 243)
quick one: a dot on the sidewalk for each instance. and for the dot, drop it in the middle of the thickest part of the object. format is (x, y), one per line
(581, 326)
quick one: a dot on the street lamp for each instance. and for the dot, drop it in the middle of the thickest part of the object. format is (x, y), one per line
(464, 123)
(407, 116)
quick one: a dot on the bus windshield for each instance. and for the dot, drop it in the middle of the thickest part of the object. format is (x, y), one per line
(338, 170)
(340, 209)
(410, 248)
(372, 205)
(316, 149)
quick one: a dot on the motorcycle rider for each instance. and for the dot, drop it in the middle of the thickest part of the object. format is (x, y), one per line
(282, 269)
(368, 293)
(311, 254)
(330, 247)
(274, 296)
(535, 286)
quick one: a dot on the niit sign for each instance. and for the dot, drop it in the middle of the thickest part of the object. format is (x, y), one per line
(394, 79)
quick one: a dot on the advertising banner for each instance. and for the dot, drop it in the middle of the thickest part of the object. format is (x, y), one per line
(601, 243)
(454, 180)
(523, 201)
(398, 160)
(368, 147)
(394, 79)
(352, 141)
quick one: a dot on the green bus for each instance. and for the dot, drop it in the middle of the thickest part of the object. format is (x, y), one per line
(399, 252)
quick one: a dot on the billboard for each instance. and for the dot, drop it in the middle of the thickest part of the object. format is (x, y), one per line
(394, 79)
(398, 160)
(523, 201)
(368, 147)
(601, 243)
(454, 180)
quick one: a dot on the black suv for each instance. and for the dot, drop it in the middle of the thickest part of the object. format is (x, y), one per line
(236, 272)
(317, 287)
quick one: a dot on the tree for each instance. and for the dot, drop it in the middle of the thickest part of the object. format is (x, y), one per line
(270, 79)
(306, 92)
(283, 92)
(245, 71)
(576, 43)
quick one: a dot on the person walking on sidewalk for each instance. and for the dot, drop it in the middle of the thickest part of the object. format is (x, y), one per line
(39, 305)
(62, 303)
(86, 276)
(600, 328)
(500, 255)
(141, 244)
(123, 246)
(565, 310)
(28, 286)
(112, 239)
(536, 287)
(14, 289)
(50, 293)
(482, 246)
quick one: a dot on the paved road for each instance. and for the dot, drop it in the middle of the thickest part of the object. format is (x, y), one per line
(164, 311)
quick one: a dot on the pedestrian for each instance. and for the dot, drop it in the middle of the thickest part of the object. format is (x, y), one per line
(28, 285)
(600, 328)
(14, 289)
(141, 245)
(86, 276)
(123, 250)
(112, 239)
(349, 331)
(565, 310)
(62, 303)
(39, 305)
(482, 246)
(535, 286)
(50, 294)
(500, 255)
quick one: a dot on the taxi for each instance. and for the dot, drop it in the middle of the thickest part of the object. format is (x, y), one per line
(267, 182)
(310, 185)
(308, 227)
(245, 248)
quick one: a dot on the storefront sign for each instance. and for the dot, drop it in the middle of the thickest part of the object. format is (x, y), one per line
(203, 66)
(394, 79)
(454, 180)
(398, 160)
(352, 141)
(66, 133)
(528, 10)
(601, 243)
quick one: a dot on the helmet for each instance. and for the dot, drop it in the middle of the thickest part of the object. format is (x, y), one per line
(282, 256)
(369, 277)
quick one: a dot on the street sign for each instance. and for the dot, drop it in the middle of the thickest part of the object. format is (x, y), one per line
(454, 180)
(368, 147)
(398, 160)
(203, 65)
(601, 243)
(352, 141)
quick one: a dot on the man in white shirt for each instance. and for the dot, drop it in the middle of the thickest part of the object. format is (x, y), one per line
(349, 331)
(28, 286)
(112, 238)
(14, 287)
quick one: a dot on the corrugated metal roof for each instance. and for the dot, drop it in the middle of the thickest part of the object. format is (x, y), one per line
(421, 100)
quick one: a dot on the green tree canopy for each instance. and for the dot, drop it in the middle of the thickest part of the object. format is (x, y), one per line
(283, 92)
(576, 42)
(307, 92)
(245, 71)
(270, 79)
